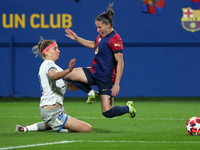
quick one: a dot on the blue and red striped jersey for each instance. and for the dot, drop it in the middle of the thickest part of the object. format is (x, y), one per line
(104, 64)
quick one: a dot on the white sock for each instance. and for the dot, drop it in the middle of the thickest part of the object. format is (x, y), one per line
(130, 108)
(91, 93)
(39, 126)
(31, 128)
(64, 130)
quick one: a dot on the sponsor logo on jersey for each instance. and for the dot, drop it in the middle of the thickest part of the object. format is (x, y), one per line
(117, 44)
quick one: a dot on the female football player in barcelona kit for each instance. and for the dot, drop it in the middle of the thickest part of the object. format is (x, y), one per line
(107, 66)
(53, 89)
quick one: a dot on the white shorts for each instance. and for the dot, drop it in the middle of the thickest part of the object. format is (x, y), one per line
(55, 118)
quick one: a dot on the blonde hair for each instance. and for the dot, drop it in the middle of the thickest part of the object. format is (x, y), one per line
(42, 44)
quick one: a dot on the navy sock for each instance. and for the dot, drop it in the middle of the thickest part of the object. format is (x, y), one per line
(82, 86)
(116, 111)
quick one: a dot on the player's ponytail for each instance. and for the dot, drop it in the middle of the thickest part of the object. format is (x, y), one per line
(42, 44)
(107, 17)
(110, 11)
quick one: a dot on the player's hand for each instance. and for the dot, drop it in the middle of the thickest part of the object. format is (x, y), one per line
(70, 34)
(71, 64)
(115, 90)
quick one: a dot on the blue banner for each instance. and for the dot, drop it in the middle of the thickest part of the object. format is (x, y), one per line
(26, 20)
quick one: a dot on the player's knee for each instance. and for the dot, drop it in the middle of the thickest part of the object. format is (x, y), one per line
(71, 87)
(88, 128)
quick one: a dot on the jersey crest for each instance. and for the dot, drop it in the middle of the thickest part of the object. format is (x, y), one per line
(191, 19)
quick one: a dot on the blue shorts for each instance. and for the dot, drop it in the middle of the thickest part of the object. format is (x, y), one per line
(104, 87)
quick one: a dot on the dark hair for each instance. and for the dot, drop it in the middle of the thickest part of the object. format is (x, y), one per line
(37, 49)
(107, 17)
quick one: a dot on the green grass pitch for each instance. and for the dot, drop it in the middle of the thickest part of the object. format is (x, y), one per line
(159, 124)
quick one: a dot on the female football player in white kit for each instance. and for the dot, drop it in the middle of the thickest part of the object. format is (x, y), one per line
(53, 88)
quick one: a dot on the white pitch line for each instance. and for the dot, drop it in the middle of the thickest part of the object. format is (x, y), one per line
(82, 141)
(34, 145)
(101, 118)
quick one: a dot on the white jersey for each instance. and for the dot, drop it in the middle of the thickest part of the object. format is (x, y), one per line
(52, 91)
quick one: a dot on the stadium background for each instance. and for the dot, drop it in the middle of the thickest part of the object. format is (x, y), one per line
(161, 57)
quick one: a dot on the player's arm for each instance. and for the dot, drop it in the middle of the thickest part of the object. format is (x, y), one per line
(58, 75)
(84, 42)
(120, 68)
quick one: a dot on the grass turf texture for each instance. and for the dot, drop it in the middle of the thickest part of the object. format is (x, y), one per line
(159, 124)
